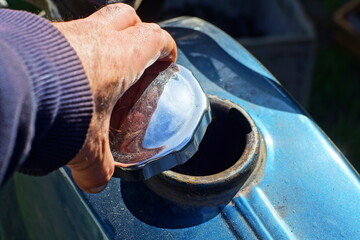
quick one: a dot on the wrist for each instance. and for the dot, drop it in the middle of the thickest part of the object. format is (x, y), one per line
(60, 90)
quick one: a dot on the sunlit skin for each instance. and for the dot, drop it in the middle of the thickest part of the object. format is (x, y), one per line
(115, 47)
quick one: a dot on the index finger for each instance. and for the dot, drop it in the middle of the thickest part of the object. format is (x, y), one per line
(147, 43)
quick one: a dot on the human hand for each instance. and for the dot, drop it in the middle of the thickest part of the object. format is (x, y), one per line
(115, 48)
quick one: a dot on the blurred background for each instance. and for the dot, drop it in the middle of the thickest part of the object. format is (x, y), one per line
(311, 46)
(335, 91)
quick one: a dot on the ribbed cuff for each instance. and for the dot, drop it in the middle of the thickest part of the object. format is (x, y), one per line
(61, 90)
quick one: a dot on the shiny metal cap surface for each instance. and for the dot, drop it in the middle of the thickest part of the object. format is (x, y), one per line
(158, 124)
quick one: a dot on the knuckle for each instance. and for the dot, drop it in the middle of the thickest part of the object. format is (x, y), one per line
(120, 8)
(128, 9)
(151, 31)
(154, 27)
(151, 28)
(112, 9)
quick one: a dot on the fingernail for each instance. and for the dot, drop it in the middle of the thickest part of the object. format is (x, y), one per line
(97, 189)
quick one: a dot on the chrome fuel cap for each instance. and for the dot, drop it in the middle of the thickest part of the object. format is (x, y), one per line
(158, 123)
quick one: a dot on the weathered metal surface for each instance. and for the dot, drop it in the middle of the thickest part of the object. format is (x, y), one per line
(306, 190)
(226, 159)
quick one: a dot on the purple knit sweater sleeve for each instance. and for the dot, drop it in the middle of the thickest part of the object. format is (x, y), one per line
(45, 99)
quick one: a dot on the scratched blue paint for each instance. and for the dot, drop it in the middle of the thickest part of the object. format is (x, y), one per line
(307, 189)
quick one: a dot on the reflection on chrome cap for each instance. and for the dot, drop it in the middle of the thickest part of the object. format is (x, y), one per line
(163, 125)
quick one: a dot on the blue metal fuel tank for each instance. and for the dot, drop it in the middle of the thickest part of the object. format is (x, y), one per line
(263, 171)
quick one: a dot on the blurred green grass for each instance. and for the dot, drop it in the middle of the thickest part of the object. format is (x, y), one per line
(335, 94)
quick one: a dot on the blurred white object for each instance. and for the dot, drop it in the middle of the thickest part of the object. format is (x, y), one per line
(3, 4)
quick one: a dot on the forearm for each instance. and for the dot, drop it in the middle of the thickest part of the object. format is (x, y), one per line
(46, 103)
(114, 47)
